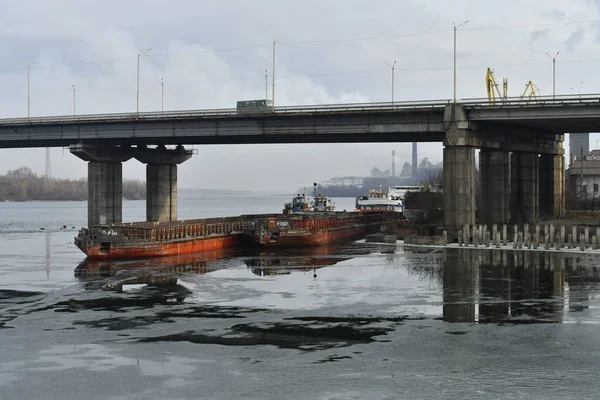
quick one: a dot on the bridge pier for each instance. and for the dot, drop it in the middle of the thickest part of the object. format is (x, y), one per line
(494, 174)
(525, 172)
(105, 181)
(459, 186)
(552, 185)
(161, 180)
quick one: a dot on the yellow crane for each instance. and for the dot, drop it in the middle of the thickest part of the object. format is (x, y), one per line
(493, 92)
(531, 91)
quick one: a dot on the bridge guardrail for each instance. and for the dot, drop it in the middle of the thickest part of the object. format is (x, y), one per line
(320, 108)
(384, 106)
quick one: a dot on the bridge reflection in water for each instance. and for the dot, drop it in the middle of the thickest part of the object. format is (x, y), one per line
(514, 287)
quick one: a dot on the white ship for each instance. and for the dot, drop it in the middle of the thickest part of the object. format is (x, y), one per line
(393, 200)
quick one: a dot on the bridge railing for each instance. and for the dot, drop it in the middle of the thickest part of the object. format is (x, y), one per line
(306, 109)
(571, 99)
(227, 112)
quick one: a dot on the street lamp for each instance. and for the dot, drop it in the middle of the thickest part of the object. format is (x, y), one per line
(73, 87)
(553, 74)
(275, 41)
(393, 67)
(137, 108)
(266, 84)
(28, 88)
(455, 28)
(162, 94)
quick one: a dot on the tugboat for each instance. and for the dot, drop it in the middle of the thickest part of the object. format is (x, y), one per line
(300, 204)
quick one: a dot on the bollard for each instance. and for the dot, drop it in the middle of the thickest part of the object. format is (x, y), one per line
(494, 229)
(574, 229)
(476, 238)
(537, 233)
(466, 235)
(487, 238)
(562, 233)
(529, 241)
(552, 235)
(515, 233)
(558, 242)
(445, 237)
(497, 240)
(505, 234)
(594, 242)
(520, 240)
(569, 240)
(547, 240)
(460, 238)
(581, 242)
(536, 241)
(587, 236)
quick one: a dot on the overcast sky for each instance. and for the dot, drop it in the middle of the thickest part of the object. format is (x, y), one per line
(211, 53)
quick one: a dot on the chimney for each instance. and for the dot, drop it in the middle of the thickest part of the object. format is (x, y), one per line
(414, 160)
(393, 163)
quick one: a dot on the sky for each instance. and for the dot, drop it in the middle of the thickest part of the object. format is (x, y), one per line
(212, 53)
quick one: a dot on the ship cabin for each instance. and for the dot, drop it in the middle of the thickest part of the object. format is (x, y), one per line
(299, 203)
(322, 203)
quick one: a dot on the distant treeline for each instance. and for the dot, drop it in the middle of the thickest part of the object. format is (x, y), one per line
(23, 185)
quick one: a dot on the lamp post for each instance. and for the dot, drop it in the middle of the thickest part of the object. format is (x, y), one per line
(553, 74)
(275, 41)
(73, 87)
(162, 94)
(137, 108)
(28, 88)
(266, 84)
(455, 28)
(393, 67)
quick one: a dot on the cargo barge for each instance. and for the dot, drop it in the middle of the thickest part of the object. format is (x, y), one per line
(151, 239)
(313, 229)
(301, 224)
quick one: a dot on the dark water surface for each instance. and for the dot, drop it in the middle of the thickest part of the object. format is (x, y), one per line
(356, 321)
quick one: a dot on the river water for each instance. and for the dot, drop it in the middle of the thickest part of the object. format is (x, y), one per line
(356, 321)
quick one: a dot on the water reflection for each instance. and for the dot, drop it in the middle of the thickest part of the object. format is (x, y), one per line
(285, 262)
(513, 287)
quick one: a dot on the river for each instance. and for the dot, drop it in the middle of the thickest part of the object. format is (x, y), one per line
(353, 321)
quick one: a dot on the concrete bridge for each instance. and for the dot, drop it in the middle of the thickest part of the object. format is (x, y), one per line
(521, 142)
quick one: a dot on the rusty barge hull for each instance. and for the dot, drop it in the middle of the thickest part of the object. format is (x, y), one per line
(317, 230)
(158, 239)
(315, 238)
(121, 250)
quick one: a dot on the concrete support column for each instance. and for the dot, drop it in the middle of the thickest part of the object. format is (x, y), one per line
(161, 199)
(524, 187)
(494, 173)
(459, 186)
(105, 193)
(552, 185)
(161, 181)
(105, 181)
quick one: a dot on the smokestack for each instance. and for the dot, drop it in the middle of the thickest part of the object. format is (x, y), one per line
(414, 160)
(394, 163)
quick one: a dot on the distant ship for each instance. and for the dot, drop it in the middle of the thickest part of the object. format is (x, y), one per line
(377, 200)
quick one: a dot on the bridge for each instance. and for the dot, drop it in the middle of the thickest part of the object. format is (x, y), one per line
(521, 142)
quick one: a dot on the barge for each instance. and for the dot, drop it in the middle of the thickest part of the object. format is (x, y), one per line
(151, 239)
